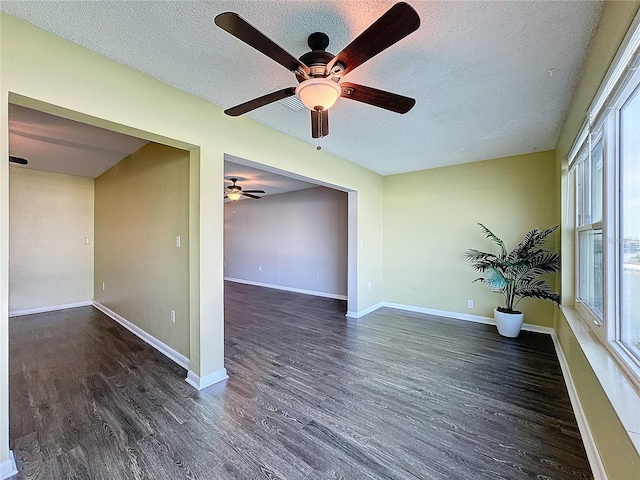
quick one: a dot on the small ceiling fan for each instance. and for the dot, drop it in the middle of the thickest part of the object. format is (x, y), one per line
(319, 72)
(18, 160)
(235, 192)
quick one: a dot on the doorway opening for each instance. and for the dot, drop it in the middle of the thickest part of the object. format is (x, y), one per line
(300, 236)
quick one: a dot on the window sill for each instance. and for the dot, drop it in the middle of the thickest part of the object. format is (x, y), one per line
(623, 395)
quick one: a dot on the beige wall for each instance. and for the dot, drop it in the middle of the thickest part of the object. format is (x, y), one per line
(141, 205)
(98, 91)
(618, 455)
(50, 216)
(430, 219)
(294, 240)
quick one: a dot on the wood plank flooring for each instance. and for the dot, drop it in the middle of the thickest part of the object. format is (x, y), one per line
(311, 395)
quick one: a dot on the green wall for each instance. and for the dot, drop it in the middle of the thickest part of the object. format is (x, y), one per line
(141, 205)
(430, 219)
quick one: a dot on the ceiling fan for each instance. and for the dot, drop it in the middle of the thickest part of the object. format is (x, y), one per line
(319, 72)
(235, 192)
(18, 160)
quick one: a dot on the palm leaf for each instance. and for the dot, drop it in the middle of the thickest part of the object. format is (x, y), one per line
(524, 246)
(540, 292)
(491, 236)
(480, 261)
(547, 262)
(475, 255)
(495, 280)
(533, 239)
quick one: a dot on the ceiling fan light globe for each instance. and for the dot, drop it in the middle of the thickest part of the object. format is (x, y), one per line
(234, 195)
(318, 92)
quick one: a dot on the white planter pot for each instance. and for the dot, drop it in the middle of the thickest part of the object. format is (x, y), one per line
(509, 324)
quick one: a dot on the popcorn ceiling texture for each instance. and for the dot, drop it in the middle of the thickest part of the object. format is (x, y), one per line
(478, 70)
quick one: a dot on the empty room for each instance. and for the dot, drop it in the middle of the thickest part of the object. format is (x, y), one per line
(307, 240)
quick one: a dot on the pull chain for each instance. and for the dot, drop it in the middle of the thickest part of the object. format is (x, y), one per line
(319, 110)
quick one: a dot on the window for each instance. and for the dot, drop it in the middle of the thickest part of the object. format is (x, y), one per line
(605, 169)
(589, 227)
(630, 223)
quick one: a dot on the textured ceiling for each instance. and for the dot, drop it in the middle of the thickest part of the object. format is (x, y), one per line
(490, 78)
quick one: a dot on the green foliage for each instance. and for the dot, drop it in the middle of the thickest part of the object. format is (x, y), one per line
(516, 274)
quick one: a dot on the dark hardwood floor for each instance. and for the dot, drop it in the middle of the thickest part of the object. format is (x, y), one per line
(311, 395)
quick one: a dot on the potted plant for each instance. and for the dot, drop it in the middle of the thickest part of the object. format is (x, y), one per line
(516, 274)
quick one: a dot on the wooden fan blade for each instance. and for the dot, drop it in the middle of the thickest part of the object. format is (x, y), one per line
(18, 160)
(251, 196)
(377, 98)
(254, 191)
(319, 128)
(243, 30)
(260, 102)
(398, 22)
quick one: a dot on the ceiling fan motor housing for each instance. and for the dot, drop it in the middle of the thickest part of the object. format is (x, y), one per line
(234, 187)
(317, 59)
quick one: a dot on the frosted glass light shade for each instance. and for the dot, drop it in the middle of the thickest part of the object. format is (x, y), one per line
(318, 92)
(234, 195)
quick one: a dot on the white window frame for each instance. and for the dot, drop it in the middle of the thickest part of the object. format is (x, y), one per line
(613, 327)
(603, 121)
(584, 160)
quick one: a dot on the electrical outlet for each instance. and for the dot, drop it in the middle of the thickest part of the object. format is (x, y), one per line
(103, 285)
(469, 303)
(173, 316)
(178, 241)
(87, 241)
(259, 268)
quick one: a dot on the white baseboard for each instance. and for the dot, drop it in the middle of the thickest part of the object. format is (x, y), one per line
(287, 289)
(51, 308)
(366, 311)
(8, 468)
(151, 340)
(443, 313)
(440, 313)
(203, 382)
(597, 467)
(192, 379)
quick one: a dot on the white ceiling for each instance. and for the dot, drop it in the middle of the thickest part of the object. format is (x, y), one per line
(491, 78)
(59, 145)
(250, 178)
